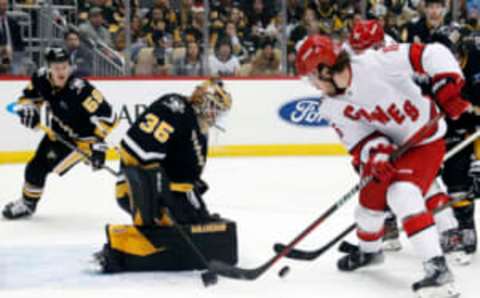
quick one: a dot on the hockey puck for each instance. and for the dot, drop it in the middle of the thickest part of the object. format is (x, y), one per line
(209, 278)
(284, 271)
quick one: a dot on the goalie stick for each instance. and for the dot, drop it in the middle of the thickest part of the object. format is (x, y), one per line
(309, 255)
(230, 271)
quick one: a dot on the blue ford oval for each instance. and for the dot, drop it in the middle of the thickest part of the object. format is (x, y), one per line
(303, 111)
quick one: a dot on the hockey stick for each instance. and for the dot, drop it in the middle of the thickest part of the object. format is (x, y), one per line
(347, 247)
(71, 146)
(251, 274)
(44, 115)
(208, 278)
(308, 255)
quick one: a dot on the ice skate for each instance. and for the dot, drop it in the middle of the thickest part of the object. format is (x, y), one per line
(20, 208)
(356, 259)
(453, 247)
(438, 282)
(391, 239)
(469, 240)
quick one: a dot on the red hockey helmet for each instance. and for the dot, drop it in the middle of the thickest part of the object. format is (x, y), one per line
(314, 51)
(366, 34)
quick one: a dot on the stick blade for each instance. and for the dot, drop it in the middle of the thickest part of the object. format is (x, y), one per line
(226, 270)
(296, 254)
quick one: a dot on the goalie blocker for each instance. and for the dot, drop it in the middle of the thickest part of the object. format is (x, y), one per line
(153, 243)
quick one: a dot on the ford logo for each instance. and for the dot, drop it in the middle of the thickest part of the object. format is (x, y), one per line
(11, 107)
(303, 111)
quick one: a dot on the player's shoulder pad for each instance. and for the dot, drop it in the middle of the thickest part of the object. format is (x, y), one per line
(174, 102)
(78, 85)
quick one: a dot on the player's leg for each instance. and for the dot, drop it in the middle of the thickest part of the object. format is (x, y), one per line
(50, 156)
(405, 196)
(152, 243)
(458, 182)
(391, 238)
(369, 217)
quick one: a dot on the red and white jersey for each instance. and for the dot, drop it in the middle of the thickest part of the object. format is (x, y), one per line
(382, 96)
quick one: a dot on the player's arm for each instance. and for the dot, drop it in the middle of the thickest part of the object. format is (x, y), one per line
(101, 115)
(29, 103)
(439, 64)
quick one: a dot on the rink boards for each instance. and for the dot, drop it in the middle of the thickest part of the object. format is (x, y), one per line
(276, 116)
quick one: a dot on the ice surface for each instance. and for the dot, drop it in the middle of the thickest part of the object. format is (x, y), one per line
(272, 199)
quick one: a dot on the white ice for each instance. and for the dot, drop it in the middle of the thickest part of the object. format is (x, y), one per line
(272, 199)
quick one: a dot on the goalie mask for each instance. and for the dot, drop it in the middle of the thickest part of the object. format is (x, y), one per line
(211, 101)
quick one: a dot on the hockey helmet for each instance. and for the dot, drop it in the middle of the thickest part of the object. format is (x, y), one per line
(452, 36)
(366, 34)
(56, 55)
(210, 100)
(313, 51)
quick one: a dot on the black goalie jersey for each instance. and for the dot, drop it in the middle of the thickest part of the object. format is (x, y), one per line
(168, 134)
(79, 111)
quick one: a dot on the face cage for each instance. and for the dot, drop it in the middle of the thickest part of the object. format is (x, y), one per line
(211, 108)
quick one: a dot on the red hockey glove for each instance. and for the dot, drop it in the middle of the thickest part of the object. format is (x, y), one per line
(446, 89)
(378, 164)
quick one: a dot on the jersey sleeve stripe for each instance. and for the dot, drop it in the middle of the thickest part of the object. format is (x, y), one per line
(144, 156)
(415, 56)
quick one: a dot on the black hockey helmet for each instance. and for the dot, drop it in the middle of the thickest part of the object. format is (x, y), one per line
(452, 36)
(56, 55)
(441, 2)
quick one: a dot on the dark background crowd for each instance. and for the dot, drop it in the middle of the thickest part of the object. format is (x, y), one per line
(174, 37)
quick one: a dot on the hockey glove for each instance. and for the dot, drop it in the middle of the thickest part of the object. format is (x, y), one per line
(424, 82)
(446, 89)
(98, 155)
(474, 172)
(29, 115)
(378, 164)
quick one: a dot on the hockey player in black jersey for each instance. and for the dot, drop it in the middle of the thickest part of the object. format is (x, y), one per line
(79, 113)
(462, 172)
(162, 158)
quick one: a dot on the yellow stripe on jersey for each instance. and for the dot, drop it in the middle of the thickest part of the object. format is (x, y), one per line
(181, 187)
(103, 129)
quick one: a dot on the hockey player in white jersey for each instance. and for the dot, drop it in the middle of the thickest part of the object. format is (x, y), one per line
(366, 35)
(374, 105)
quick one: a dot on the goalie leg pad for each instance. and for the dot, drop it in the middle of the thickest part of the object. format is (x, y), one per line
(146, 188)
(154, 248)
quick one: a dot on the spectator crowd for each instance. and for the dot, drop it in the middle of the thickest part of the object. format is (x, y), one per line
(245, 38)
